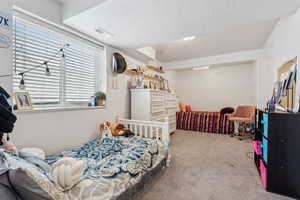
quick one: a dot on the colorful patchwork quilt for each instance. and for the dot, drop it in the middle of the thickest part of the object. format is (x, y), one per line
(113, 166)
(111, 156)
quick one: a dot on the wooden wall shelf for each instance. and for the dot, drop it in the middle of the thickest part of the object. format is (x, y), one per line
(133, 72)
(157, 69)
(144, 75)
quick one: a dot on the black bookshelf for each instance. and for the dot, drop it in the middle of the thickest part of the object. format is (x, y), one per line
(279, 133)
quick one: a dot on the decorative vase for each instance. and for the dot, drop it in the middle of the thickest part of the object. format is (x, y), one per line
(99, 101)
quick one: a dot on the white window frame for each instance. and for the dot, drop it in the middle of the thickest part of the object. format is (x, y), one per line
(100, 71)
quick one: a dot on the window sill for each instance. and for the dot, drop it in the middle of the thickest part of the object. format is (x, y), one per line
(59, 109)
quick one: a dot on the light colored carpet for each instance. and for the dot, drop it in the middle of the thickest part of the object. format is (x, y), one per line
(209, 167)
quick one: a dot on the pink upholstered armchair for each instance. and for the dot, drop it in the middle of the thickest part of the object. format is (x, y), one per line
(242, 114)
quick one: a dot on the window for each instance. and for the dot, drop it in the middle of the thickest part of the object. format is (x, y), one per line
(80, 73)
(74, 78)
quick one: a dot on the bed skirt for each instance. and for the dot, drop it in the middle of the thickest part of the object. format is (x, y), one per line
(209, 122)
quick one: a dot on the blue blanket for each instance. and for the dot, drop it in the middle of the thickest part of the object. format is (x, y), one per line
(111, 156)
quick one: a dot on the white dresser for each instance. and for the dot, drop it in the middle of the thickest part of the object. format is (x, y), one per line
(154, 105)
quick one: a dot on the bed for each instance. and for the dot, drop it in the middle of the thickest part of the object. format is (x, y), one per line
(209, 122)
(116, 168)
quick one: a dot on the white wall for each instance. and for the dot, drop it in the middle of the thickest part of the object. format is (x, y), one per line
(47, 9)
(282, 45)
(218, 87)
(171, 76)
(235, 57)
(5, 55)
(56, 131)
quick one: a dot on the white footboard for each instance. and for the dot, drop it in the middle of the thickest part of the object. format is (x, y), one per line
(148, 129)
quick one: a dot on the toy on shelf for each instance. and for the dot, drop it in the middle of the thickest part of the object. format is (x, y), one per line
(148, 77)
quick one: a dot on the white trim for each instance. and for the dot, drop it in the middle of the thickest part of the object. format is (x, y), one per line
(57, 109)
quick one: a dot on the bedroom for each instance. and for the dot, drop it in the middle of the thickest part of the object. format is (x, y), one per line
(231, 58)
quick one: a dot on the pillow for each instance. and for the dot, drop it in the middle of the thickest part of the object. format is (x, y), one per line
(28, 180)
(39, 153)
(227, 110)
(32, 185)
(188, 108)
(183, 107)
(35, 160)
(67, 172)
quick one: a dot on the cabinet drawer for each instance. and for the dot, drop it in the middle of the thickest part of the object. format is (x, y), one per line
(171, 104)
(157, 108)
(171, 97)
(157, 97)
(171, 111)
(157, 119)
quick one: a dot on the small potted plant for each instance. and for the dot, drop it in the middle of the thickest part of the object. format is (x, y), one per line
(100, 98)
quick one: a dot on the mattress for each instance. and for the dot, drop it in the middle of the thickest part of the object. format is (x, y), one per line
(108, 175)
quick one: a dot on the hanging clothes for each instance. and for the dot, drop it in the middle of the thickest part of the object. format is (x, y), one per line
(7, 118)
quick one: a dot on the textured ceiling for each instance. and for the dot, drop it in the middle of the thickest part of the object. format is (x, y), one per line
(240, 38)
(220, 26)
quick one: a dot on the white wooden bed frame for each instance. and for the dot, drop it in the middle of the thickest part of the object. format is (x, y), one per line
(150, 129)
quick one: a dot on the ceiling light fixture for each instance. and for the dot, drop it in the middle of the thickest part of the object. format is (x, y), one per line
(189, 38)
(201, 68)
(104, 32)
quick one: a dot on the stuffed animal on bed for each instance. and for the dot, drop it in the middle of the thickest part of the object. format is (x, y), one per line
(122, 130)
(114, 129)
(105, 130)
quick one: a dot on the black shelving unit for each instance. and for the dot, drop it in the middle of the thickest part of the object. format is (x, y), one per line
(278, 136)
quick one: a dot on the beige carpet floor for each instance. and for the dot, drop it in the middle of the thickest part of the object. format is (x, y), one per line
(209, 167)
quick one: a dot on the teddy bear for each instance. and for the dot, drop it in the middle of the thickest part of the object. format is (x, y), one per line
(122, 130)
(114, 129)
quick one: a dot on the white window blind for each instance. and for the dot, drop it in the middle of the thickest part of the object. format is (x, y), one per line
(80, 72)
(32, 46)
(73, 78)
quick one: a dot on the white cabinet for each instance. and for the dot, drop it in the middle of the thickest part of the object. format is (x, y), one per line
(154, 105)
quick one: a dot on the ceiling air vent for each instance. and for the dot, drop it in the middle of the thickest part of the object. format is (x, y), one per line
(103, 32)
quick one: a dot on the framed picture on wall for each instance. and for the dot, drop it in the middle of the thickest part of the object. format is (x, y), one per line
(23, 101)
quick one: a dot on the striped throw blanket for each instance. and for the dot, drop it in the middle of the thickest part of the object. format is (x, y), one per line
(210, 122)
